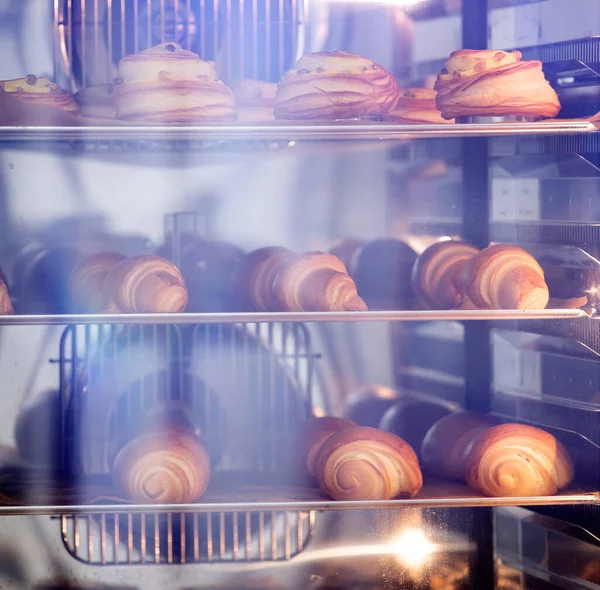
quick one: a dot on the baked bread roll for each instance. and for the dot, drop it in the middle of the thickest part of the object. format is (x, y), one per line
(97, 102)
(87, 283)
(311, 437)
(517, 460)
(6, 307)
(167, 83)
(335, 85)
(417, 105)
(444, 448)
(41, 92)
(316, 281)
(255, 100)
(494, 83)
(437, 271)
(147, 284)
(363, 463)
(366, 405)
(411, 419)
(504, 277)
(165, 467)
(382, 270)
(257, 276)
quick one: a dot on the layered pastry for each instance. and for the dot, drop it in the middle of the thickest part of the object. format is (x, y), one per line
(335, 85)
(362, 463)
(97, 102)
(41, 92)
(255, 100)
(169, 466)
(518, 460)
(146, 284)
(167, 83)
(6, 307)
(417, 105)
(503, 276)
(437, 271)
(444, 448)
(494, 83)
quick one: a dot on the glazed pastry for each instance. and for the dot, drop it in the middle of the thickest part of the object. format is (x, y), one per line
(335, 85)
(316, 281)
(411, 418)
(87, 282)
(165, 467)
(436, 274)
(444, 448)
(382, 269)
(255, 100)
(169, 84)
(367, 405)
(362, 463)
(346, 249)
(311, 437)
(147, 284)
(494, 84)
(417, 105)
(517, 460)
(504, 277)
(41, 92)
(97, 102)
(257, 276)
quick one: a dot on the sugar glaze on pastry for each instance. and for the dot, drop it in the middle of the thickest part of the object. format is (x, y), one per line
(335, 85)
(494, 83)
(170, 84)
(40, 91)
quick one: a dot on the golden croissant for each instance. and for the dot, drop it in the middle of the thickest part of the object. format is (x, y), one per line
(436, 273)
(504, 277)
(316, 281)
(163, 467)
(41, 92)
(518, 460)
(363, 463)
(494, 83)
(87, 282)
(147, 284)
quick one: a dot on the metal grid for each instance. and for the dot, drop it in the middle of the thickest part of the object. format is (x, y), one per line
(222, 379)
(248, 39)
(179, 538)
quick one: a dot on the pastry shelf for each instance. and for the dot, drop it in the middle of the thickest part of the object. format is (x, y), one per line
(271, 498)
(241, 318)
(287, 132)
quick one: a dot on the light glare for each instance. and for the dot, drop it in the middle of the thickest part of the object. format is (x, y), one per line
(413, 548)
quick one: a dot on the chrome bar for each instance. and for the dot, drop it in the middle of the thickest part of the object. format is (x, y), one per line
(261, 536)
(169, 537)
(136, 20)
(129, 538)
(248, 536)
(182, 559)
(287, 536)
(84, 67)
(143, 548)
(236, 537)
(96, 40)
(268, 40)
(123, 23)
(196, 538)
(255, 38)
(103, 539)
(209, 535)
(273, 536)
(156, 539)
(202, 16)
(90, 539)
(222, 535)
(116, 535)
(162, 21)
(149, 23)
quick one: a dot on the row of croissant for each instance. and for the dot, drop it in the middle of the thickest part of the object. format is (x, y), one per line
(170, 84)
(383, 274)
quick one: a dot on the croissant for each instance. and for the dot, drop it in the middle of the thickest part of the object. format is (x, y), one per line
(436, 273)
(363, 463)
(6, 307)
(162, 467)
(447, 441)
(257, 275)
(147, 284)
(504, 277)
(494, 83)
(167, 83)
(41, 92)
(335, 85)
(311, 437)
(316, 282)
(87, 282)
(517, 460)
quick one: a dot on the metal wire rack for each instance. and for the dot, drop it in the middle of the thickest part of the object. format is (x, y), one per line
(255, 39)
(242, 388)
(178, 538)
